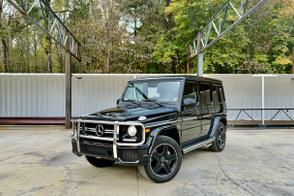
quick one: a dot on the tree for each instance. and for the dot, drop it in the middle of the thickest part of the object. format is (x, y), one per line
(134, 36)
(4, 32)
(188, 18)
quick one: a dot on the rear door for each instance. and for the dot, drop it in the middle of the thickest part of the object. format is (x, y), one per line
(191, 123)
(222, 98)
(207, 107)
(216, 98)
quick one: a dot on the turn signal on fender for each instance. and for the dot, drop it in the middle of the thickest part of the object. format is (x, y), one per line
(147, 130)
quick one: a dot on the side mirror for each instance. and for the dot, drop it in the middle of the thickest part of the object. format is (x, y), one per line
(189, 102)
(118, 101)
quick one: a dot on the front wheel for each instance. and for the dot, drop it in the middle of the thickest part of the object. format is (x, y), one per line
(220, 139)
(98, 162)
(164, 161)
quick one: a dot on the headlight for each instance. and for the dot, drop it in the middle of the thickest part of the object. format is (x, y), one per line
(132, 131)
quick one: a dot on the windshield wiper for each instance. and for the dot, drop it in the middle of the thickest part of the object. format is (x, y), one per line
(139, 91)
(153, 101)
(132, 101)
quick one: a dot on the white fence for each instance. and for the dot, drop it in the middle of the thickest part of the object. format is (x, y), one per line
(43, 95)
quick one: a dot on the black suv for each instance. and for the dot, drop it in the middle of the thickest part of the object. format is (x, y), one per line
(155, 122)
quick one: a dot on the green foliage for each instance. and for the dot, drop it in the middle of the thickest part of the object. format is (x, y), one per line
(128, 36)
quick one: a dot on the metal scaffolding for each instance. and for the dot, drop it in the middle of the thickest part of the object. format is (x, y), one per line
(40, 14)
(228, 17)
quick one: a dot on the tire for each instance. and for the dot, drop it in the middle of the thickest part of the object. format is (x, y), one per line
(98, 162)
(220, 139)
(164, 160)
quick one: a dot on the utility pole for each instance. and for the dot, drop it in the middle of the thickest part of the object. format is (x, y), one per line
(200, 56)
(68, 90)
(200, 63)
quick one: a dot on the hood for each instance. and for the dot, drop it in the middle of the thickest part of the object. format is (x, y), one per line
(132, 114)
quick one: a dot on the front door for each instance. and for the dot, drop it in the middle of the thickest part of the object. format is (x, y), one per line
(191, 124)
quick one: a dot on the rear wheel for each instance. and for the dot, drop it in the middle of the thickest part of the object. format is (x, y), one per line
(99, 162)
(220, 139)
(164, 161)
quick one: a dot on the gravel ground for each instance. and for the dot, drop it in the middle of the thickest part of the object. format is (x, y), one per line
(38, 161)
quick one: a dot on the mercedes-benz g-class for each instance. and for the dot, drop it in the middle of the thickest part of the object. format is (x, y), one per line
(155, 122)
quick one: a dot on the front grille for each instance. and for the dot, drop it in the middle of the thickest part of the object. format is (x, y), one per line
(128, 155)
(97, 143)
(90, 129)
(102, 151)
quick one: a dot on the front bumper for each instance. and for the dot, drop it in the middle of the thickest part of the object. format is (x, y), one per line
(112, 150)
(125, 155)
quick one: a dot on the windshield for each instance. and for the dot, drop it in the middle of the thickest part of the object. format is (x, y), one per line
(159, 91)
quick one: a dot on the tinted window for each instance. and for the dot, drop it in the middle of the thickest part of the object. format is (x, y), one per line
(221, 93)
(216, 98)
(190, 95)
(215, 94)
(205, 98)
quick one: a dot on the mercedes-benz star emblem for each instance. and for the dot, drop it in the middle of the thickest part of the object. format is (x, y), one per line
(99, 130)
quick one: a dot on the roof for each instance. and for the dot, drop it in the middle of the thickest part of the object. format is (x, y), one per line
(180, 77)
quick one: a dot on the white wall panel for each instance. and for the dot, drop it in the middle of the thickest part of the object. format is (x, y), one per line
(242, 91)
(92, 93)
(279, 93)
(43, 95)
(31, 95)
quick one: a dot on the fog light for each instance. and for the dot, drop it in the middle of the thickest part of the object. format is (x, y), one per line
(132, 131)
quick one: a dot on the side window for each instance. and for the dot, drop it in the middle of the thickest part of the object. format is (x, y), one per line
(190, 96)
(216, 98)
(205, 97)
(215, 95)
(221, 93)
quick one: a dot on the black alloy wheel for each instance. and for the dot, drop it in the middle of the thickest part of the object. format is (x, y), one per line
(164, 160)
(220, 139)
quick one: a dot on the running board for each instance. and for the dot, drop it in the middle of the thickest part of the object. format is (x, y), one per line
(198, 145)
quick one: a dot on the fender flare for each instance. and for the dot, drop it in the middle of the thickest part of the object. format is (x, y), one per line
(216, 121)
(156, 132)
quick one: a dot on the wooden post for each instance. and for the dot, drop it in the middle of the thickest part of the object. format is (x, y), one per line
(68, 87)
